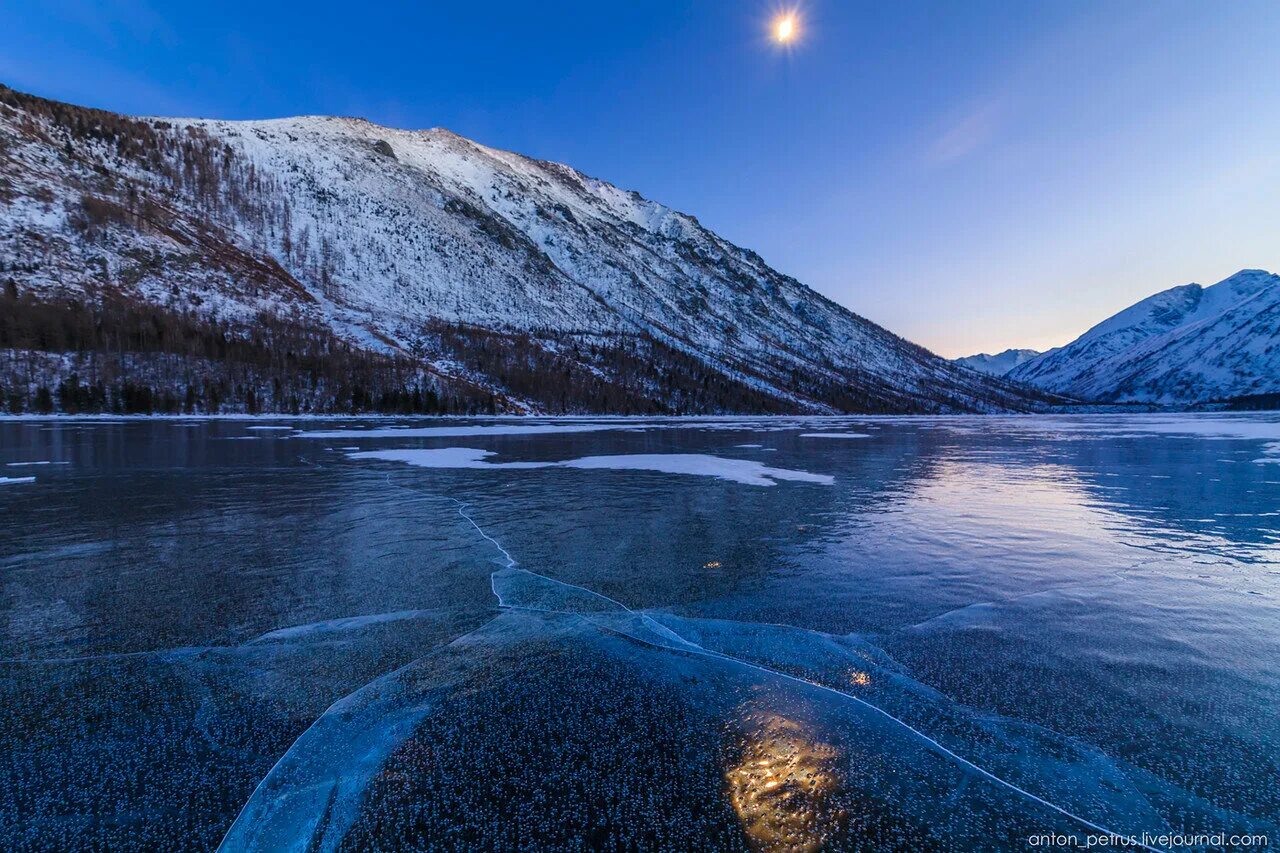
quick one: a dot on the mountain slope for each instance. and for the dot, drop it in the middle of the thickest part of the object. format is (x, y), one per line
(1188, 344)
(387, 236)
(996, 365)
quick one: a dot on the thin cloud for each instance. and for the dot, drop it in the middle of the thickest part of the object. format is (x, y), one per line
(967, 132)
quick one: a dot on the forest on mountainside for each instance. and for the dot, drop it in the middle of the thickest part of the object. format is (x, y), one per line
(78, 356)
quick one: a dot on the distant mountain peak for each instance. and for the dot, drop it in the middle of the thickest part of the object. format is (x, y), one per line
(998, 364)
(1187, 344)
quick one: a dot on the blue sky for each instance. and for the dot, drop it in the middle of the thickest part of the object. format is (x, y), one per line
(972, 175)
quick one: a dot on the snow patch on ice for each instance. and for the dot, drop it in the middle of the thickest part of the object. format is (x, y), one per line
(738, 470)
(442, 457)
(1271, 453)
(745, 471)
(13, 481)
(834, 435)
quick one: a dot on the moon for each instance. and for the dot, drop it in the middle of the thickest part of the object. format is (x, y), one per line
(785, 28)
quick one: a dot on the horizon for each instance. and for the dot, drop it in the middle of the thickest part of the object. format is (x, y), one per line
(1076, 217)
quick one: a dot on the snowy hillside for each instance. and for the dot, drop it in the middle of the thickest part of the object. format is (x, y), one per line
(387, 236)
(999, 364)
(1187, 344)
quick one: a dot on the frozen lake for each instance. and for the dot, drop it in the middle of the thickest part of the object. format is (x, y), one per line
(781, 634)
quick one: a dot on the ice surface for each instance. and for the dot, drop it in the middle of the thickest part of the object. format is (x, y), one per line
(333, 626)
(529, 591)
(743, 471)
(848, 667)
(1074, 653)
(309, 799)
(461, 431)
(1029, 761)
(834, 435)
(1206, 426)
(187, 733)
(1211, 426)
(846, 767)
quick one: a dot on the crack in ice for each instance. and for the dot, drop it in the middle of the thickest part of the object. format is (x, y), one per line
(662, 631)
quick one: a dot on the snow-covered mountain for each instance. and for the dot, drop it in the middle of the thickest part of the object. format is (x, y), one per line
(385, 235)
(1188, 344)
(999, 364)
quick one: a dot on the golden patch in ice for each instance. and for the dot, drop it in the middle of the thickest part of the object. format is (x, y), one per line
(781, 785)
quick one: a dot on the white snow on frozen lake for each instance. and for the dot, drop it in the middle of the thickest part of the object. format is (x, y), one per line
(834, 435)
(13, 481)
(745, 471)
(457, 431)
(738, 470)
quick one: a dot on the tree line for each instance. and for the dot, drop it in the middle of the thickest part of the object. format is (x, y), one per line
(113, 355)
(110, 354)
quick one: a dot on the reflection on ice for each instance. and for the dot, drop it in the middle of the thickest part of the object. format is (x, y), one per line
(780, 784)
(1211, 426)
(1033, 767)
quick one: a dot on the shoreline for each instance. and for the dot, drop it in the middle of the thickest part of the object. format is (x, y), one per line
(724, 418)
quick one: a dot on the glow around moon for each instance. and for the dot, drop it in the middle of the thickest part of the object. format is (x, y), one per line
(785, 27)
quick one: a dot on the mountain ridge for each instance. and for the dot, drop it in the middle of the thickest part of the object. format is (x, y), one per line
(385, 236)
(997, 364)
(1186, 345)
